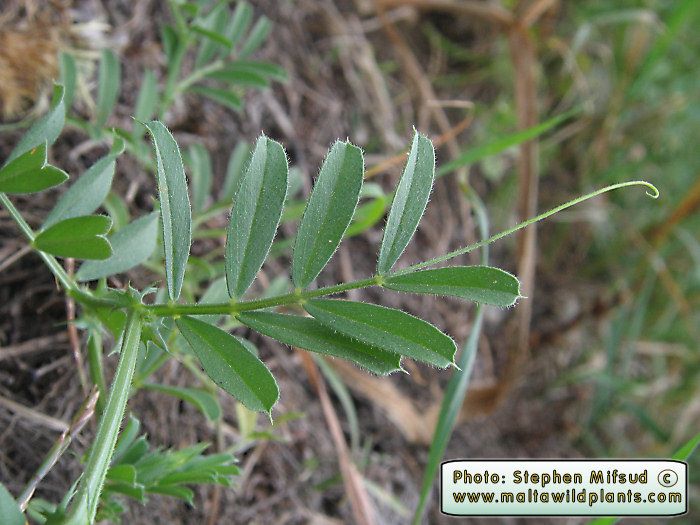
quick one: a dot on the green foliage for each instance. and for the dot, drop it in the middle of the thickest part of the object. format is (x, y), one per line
(9, 510)
(30, 173)
(78, 237)
(256, 213)
(176, 215)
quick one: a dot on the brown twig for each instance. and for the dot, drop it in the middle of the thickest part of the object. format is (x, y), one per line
(38, 344)
(31, 414)
(359, 500)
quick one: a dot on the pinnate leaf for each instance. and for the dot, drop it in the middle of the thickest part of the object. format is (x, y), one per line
(175, 208)
(328, 212)
(230, 365)
(409, 202)
(256, 213)
(481, 284)
(386, 328)
(309, 334)
(30, 173)
(79, 237)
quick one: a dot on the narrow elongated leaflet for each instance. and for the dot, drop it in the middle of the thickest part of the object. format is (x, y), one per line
(482, 284)
(30, 173)
(201, 176)
(68, 74)
(257, 36)
(45, 130)
(310, 334)
(107, 87)
(409, 202)
(386, 328)
(328, 212)
(256, 213)
(240, 21)
(88, 192)
(79, 237)
(146, 103)
(175, 208)
(230, 364)
(224, 97)
(131, 246)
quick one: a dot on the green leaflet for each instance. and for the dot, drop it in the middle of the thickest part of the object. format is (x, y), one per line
(409, 202)
(240, 77)
(308, 333)
(201, 176)
(204, 401)
(132, 245)
(256, 37)
(234, 170)
(230, 365)
(175, 208)
(241, 19)
(258, 67)
(9, 510)
(30, 173)
(108, 86)
(79, 237)
(45, 130)
(214, 22)
(386, 328)
(88, 192)
(221, 96)
(68, 74)
(146, 102)
(481, 284)
(328, 212)
(256, 213)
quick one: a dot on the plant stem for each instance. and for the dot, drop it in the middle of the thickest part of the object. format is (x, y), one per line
(88, 493)
(50, 260)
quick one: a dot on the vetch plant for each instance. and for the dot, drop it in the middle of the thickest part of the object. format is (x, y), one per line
(154, 324)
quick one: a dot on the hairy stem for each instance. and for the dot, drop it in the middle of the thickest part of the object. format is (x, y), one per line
(88, 493)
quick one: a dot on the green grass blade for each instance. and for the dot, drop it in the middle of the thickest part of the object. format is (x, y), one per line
(328, 212)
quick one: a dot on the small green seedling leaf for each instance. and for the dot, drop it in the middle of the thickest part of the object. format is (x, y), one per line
(204, 401)
(132, 245)
(309, 334)
(409, 202)
(45, 130)
(175, 208)
(234, 170)
(256, 213)
(481, 284)
(108, 86)
(9, 510)
(386, 328)
(89, 191)
(30, 173)
(328, 212)
(230, 365)
(79, 238)
(220, 96)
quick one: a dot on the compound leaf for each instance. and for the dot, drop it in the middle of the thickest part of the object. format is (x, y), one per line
(386, 328)
(328, 212)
